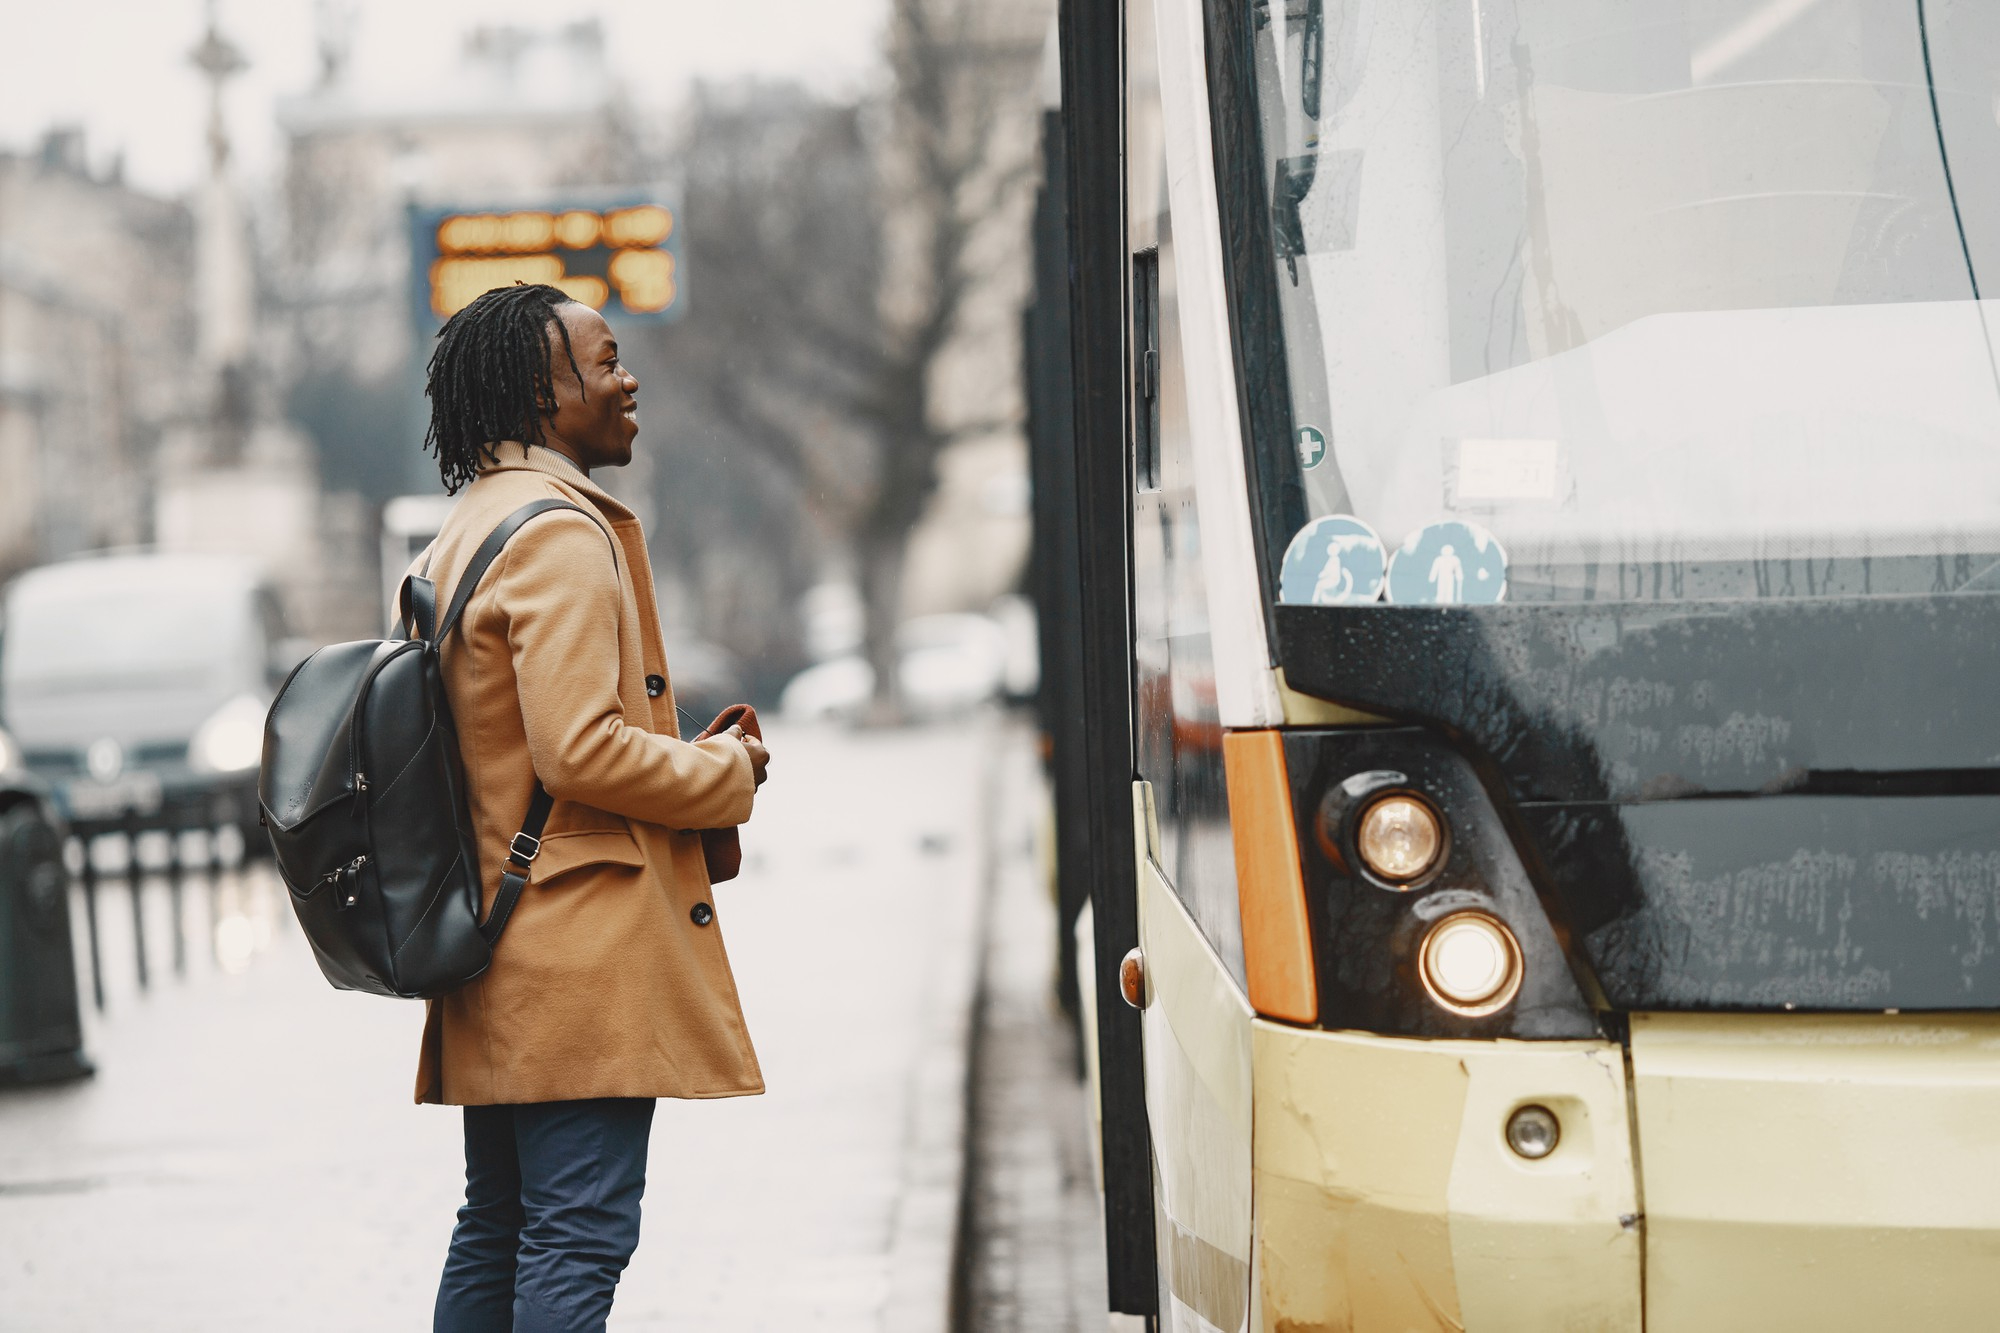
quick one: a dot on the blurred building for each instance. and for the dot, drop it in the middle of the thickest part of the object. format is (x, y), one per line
(526, 115)
(233, 477)
(97, 346)
(522, 114)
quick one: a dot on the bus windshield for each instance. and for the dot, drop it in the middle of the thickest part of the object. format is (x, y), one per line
(1618, 301)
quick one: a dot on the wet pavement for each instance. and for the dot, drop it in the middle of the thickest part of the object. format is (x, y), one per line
(1034, 1235)
(248, 1157)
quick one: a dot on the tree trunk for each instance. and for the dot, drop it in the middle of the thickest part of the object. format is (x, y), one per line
(883, 554)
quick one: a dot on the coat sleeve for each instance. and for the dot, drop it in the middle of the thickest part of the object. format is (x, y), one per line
(558, 590)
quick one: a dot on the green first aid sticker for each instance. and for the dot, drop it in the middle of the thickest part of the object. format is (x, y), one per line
(1312, 446)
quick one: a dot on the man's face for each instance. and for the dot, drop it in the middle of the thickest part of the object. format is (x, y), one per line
(597, 419)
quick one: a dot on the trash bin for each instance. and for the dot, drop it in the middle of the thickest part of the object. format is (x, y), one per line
(41, 1030)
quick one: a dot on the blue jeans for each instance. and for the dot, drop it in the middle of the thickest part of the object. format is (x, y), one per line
(551, 1216)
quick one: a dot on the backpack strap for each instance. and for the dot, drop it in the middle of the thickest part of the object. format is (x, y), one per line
(421, 604)
(521, 853)
(489, 551)
(419, 607)
(417, 600)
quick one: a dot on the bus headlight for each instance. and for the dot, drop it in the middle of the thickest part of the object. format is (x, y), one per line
(1471, 964)
(1400, 839)
(232, 739)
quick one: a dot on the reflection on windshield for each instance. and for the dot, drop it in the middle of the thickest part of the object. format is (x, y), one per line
(1673, 300)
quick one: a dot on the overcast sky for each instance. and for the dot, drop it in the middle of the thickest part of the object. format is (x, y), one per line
(119, 67)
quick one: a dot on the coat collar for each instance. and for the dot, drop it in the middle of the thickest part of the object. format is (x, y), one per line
(514, 456)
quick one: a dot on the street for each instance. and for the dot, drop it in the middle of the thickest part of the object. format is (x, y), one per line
(248, 1156)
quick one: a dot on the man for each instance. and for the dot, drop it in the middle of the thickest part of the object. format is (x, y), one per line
(610, 987)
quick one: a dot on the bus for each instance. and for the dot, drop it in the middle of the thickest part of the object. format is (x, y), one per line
(1521, 538)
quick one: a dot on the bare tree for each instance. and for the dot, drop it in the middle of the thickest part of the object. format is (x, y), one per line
(957, 161)
(759, 448)
(832, 347)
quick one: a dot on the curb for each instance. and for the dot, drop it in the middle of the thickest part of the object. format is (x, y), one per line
(925, 1257)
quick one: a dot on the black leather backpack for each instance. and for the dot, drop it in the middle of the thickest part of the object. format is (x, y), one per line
(363, 793)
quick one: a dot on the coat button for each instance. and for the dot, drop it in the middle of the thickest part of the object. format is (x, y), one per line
(655, 686)
(702, 914)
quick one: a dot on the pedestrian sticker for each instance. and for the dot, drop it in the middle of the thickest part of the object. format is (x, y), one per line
(1336, 560)
(1312, 446)
(1448, 564)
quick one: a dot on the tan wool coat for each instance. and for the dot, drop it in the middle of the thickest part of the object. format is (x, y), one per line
(610, 979)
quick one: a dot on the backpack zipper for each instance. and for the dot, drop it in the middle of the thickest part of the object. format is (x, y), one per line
(346, 882)
(360, 784)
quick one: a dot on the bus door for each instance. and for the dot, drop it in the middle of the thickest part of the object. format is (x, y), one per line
(1196, 1023)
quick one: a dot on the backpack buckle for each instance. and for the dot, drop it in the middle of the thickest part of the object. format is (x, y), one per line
(527, 855)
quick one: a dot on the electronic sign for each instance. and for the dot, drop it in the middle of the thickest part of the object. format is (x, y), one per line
(622, 258)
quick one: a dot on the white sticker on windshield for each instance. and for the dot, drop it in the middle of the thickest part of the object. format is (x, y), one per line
(1496, 471)
(1336, 560)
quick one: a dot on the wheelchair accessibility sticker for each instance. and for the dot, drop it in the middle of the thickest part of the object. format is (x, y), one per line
(1448, 564)
(1336, 560)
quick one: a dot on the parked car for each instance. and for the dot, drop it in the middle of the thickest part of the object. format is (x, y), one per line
(136, 686)
(41, 1032)
(946, 663)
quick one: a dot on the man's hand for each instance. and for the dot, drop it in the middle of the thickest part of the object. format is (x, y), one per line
(760, 758)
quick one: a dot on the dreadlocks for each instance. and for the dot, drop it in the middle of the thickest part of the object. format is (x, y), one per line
(491, 377)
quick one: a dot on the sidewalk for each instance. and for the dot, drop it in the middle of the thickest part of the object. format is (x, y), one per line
(1035, 1243)
(248, 1157)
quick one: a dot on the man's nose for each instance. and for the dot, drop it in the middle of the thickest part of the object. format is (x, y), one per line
(631, 382)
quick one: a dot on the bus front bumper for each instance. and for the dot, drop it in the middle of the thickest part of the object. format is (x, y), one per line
(1742, 1172)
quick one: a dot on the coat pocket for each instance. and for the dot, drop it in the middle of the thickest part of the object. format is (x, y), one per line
(564, 852)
